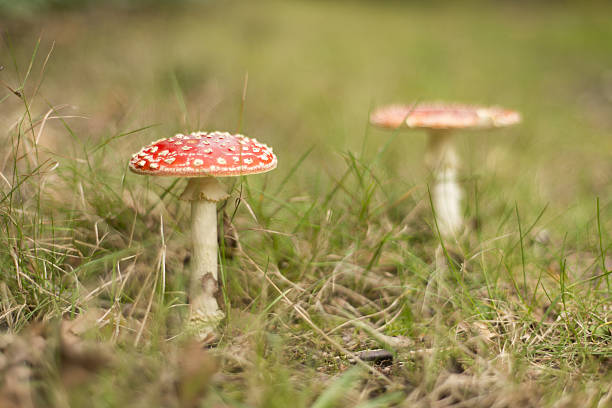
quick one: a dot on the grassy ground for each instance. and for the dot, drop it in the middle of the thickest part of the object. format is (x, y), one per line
(336, 252)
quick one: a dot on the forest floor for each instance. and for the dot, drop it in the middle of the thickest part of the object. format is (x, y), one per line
(333, 254)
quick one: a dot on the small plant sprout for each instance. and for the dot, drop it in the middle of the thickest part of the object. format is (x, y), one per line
(203, 157)
(441, 120)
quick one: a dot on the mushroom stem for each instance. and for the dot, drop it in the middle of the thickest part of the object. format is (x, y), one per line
(204, 193)
(446, 194)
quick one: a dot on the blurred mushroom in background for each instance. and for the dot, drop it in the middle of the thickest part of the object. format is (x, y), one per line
(441, 120)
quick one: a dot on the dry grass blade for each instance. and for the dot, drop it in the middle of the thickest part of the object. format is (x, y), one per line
(304, 315)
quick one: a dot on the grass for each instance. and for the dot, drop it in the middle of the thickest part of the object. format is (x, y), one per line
(335, 252)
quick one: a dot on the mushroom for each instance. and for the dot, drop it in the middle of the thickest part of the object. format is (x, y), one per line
(203, 157)
(440, 120)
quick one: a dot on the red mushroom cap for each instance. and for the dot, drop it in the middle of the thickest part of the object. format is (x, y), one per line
(443, 116)
(202, 154)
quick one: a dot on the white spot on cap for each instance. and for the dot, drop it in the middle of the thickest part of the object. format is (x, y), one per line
(208, 151)
(232, 148)
(186, 147)
(163, 152)
(245, 148)
(154, 149)
(236, 159)
(221, 160)
(248, 160)
(198, 162)
(256, 150)
(154, 165)
(142, 163)
(169, 160)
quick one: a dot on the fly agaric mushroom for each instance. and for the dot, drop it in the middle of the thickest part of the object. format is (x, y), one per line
(440, 120)
(202, 157)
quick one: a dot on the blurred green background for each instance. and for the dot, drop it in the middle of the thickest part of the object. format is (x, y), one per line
(316, 68)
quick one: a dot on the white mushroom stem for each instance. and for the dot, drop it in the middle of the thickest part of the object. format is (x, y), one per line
(446, 194)
(204, 193)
